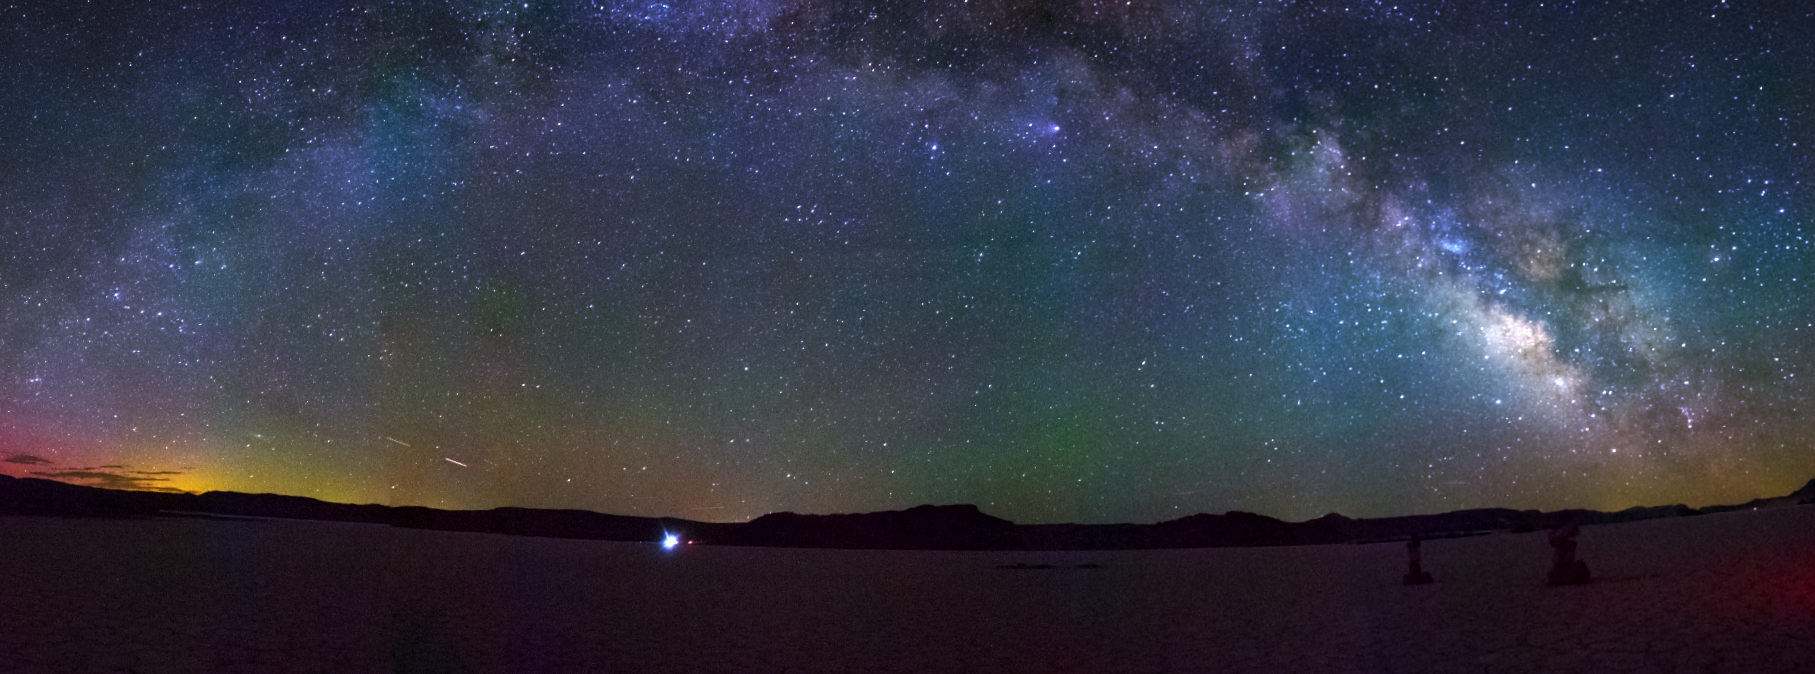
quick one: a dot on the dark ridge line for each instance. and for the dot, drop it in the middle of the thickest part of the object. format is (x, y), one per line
(926, 527)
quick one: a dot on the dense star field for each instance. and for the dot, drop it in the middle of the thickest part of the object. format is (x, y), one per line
(1066, 260)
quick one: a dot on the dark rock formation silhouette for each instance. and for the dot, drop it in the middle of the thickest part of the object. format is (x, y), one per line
(1415, 573)
(1565, 569)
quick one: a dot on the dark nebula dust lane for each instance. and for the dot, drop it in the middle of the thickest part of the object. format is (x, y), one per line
(1067, 260)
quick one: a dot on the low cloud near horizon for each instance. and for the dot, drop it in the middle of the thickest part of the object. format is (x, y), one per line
(99, 476)
(105, 480)
(27, 459)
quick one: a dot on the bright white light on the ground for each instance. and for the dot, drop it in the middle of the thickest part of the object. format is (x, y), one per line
(670, 541)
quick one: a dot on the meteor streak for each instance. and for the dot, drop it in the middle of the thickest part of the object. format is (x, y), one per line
(457, 463)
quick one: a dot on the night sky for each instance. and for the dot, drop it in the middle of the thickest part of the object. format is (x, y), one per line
(1066, 260)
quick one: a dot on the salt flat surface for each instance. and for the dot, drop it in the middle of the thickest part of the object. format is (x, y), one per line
(1732, 592)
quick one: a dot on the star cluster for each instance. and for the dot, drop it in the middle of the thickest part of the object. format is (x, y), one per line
(1067, 260)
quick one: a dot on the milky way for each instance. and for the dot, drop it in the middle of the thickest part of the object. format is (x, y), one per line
(1069, 261)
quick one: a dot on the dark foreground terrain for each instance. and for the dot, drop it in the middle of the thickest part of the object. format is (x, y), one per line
(1729, 592)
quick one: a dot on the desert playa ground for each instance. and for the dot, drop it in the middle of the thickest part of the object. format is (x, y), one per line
(1719, 593)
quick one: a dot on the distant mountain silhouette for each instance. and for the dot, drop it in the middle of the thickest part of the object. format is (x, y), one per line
(927, 527)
